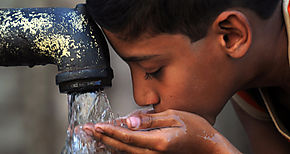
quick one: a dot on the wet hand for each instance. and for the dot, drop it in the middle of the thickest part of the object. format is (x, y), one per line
(166, 132)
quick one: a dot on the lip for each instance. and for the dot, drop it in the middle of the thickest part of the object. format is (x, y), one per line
(157, 108)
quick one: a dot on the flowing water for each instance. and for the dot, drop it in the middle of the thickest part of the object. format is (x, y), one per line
(84, 108)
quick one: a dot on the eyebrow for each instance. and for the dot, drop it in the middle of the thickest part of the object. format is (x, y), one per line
(138, 58)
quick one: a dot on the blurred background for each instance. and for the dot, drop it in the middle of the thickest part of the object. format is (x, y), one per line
(33, 114)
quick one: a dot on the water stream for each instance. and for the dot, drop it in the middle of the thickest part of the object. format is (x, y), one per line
(84, 108)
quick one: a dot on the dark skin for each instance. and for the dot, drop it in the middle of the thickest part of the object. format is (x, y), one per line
(188, 83)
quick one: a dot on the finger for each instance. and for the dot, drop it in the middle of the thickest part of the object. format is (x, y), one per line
(89, 129)
(122, 121)
(122, 147)
(157, 139)
(127, 136)
(79, 132)
(168, 118)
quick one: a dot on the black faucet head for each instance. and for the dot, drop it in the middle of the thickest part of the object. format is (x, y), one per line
(88, 68)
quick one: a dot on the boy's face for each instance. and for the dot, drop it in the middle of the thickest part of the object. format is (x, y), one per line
(171, 72)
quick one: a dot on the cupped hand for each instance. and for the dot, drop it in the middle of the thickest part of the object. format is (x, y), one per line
(170, 131)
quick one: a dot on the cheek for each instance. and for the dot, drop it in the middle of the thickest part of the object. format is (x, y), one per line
(190, 89)
(176, 89)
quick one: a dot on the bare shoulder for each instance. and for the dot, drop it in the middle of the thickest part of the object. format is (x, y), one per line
(263, 135)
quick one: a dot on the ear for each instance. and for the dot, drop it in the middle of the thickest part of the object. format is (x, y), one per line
(234, 33)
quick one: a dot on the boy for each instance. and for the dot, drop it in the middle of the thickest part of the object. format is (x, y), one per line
(187, 59)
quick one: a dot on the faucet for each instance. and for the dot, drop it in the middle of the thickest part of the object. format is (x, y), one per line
(66, 37)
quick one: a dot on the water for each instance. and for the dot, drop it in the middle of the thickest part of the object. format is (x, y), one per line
(86, 108)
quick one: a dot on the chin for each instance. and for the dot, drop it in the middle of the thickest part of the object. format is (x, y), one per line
(210, 119)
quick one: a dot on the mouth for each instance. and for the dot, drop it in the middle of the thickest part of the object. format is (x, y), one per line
(156, 108)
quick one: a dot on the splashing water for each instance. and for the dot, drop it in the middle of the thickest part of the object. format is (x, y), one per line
(86, 108)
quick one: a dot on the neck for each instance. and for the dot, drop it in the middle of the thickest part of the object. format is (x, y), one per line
(275, 70)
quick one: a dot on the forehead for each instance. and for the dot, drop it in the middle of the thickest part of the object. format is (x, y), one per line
(147, 44)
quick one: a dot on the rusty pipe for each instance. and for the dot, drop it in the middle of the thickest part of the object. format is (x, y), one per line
(66, 37)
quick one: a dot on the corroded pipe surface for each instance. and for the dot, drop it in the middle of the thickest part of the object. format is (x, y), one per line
(62, 36)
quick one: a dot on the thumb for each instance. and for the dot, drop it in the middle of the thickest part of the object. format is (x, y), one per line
(153, 121)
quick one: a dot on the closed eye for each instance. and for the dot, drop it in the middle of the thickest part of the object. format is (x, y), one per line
(149, 76)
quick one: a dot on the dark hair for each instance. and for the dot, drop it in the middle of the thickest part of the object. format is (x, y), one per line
(131, 18)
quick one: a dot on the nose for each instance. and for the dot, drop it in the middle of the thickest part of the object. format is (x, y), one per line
(145, 92)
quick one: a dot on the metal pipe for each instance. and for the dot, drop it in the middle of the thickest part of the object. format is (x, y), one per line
(66, 37)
